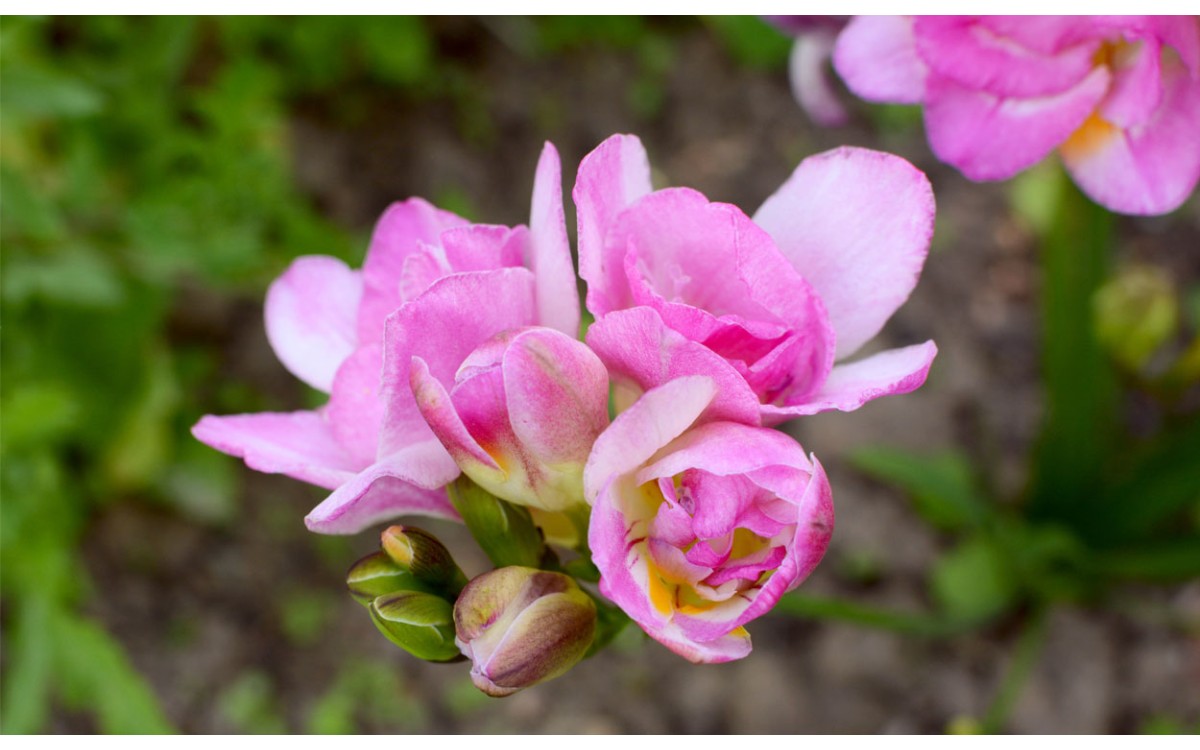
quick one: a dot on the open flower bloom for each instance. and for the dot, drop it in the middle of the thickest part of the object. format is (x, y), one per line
(778, 298)
(1118, 96)
(520, 415)
(326, 324)
(700, 526)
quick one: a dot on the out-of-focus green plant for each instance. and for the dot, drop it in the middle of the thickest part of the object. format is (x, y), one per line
(1103, 505)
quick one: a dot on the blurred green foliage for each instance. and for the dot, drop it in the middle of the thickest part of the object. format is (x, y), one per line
(139, 155)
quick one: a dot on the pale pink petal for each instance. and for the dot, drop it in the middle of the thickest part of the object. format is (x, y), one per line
(610, 178)
(877, 58)
(992, 138)
(657, 418)
(1149, 169)
(968, 52)
(483, 247)
(808, 67)
(637, 348)
(443, 326)
(409, 482)
(310, 313)
(298, 444)
(556, 390)
(849, 386)
(355, 409)
(396, 235)
(550, 261)
(856, 224)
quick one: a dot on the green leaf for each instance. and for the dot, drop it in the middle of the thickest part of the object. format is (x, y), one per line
(942, 486)
(94, 674)
(973, 582)
(29, 653)
(35, 92)
(751, 41)
(1164, 560)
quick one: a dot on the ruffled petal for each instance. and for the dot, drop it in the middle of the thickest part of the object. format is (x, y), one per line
(298, 444)
(310, 312)
(849, 386)
(877, 58)
(610, 178)
(408, 482)
(856, 224)
(557, 292)
(989, 137)
(1149, 169)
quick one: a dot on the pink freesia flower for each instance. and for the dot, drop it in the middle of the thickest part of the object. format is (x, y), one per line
(1118, 96)
(520, 415)
(699, 526)
(327, 323)
(778, 299)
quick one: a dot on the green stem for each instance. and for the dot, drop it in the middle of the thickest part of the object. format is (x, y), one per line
(909, 623)
(1025, 657)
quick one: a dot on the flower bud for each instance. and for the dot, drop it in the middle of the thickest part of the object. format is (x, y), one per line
(421, 624)
(521, 626)
(422, 555)
(1135, 313)
(376, 575)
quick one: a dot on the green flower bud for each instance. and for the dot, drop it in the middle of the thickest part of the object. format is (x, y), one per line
(421, 624)
(506, 532)
(421, 554)
(521, 626)
(1135, 313)
(376, 575)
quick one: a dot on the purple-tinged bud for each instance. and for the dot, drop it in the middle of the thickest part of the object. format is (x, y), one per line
(521, 626)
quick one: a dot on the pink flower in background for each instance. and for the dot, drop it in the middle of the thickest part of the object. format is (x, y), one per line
(700, 526)
(326, 324)
(808, 64)
(778, 299)
(1118, 96)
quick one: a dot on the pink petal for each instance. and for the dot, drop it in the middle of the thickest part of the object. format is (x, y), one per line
(396, 235)
(557, 291)
(1136, 90)
(310, 313)
(443, 326)
(657, 418)
(636, 346)
(355, 410)
(298, 444)
(726, 449)
(849, 386)
(856, 224)
(992, 138)
(440, 414)
(556, 390)
(877, 58)
(408, 482)
(483, 247)
(810, 78)
(610, 178)
(1035, 62)
(1149, 169)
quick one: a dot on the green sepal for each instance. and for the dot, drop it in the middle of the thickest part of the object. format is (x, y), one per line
(376, 575)
(421, 624)
(504, 531)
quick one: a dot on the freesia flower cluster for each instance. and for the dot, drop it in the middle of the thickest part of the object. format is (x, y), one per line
(1117, 96)
(452, 362)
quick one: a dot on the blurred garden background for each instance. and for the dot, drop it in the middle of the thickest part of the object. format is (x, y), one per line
(1017, 543)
